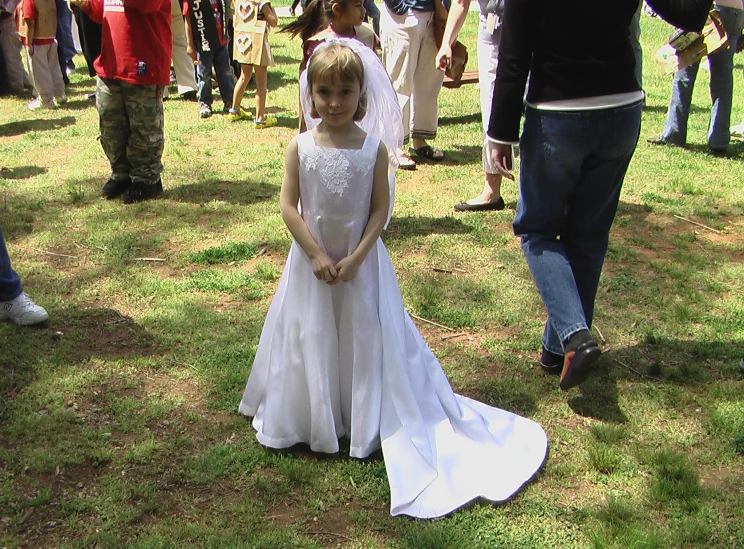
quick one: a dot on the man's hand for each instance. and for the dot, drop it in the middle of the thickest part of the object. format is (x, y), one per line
(193, 54)
(501, 157)
(30, 50)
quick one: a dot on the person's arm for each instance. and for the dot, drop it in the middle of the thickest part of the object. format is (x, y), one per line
(289, 198)
(519, 27)
(190, 45)
(689, 15)
(458, 13)
(30, 32)
(92, 8)
(269, 15)
(348, 266)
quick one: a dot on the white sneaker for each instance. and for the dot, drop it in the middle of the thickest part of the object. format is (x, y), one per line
(37, 104)
(22, 311)
(738, 131)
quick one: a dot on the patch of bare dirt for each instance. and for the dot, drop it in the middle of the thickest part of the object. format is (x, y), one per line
(724, 478)
(105, 333)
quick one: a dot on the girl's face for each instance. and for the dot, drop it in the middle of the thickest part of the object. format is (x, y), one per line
(336, 101)
(351, 13)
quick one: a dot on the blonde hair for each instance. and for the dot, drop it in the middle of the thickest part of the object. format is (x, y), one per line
(337, 61)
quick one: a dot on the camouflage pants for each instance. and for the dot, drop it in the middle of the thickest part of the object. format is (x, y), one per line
(131, 122)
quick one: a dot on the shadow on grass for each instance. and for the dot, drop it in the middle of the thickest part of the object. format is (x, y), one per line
(281, 59)
(458, 155)
(21, 172)
(401, 228)
(735, 150)
(35, 125)
(235, 192)
(598, 397)
(79, 104)
(657, 361)
(460, 119)
(71, 336)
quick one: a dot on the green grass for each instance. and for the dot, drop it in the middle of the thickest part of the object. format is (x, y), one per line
(123, 432)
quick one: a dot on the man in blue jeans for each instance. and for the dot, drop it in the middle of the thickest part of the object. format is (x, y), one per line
(721, 88)
(581, 126)
(15, 305)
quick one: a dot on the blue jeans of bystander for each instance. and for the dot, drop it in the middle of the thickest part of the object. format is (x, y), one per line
(65, 41)
(10, 283)
(571, 171)
(721, 90)
(220, 59)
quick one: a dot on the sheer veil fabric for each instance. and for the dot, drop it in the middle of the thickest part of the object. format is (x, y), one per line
(384, 118)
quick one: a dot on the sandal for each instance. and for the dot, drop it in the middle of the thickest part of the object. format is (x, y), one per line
(406, 163)
(428, 152)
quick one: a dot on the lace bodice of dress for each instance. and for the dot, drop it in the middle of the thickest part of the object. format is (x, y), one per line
(336, 182)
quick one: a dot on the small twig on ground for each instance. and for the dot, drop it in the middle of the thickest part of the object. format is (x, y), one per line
(452, 336)
(702, 248)
(261, 252)
(55, 254)
(596, 327)
(432, 322)
(347, 538)
(459, 270)
(440, 270)
(79, 245)
(117, 321)
(635, 371)
(698, 224)
(148, 259)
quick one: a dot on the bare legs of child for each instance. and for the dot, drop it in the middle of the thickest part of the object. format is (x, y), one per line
(261, 121)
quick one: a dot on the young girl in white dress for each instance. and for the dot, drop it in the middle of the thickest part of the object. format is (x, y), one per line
(338, 355)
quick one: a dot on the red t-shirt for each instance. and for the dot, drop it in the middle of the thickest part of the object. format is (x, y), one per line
(30, 13)
(218, 17)
(136, 43)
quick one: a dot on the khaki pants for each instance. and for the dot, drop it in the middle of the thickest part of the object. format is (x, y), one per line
(183, 65)
(46, 74)
(10, 49)
(131, 123)
(408, 53)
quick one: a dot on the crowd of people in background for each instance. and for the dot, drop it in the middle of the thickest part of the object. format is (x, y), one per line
(149, 42)
(338, 354)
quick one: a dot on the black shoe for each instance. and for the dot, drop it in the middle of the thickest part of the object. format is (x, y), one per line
(189, 96)
(660, 141)
(581, 354)
(115, 187)
(551, 363)
(483, 207)
(140, 192)
(741, 366)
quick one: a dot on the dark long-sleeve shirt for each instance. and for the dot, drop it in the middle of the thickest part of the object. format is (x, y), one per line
(571, 49)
